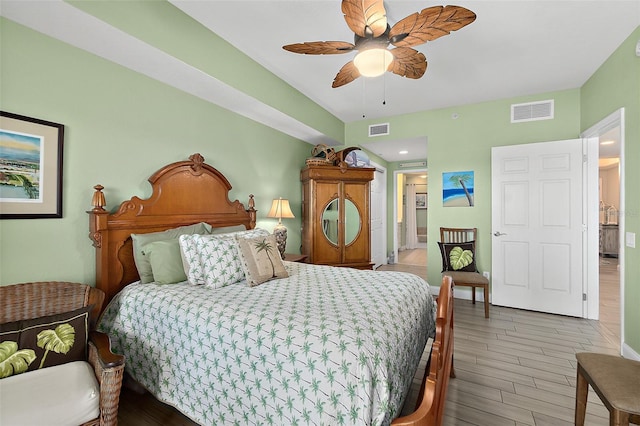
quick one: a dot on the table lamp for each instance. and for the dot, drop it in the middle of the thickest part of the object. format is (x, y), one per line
(280, 208)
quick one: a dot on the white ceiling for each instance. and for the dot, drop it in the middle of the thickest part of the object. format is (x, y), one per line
(514, 48)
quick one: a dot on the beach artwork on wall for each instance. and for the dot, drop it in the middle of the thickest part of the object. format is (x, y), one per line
(30, 167)
(457, 189)
(21, 162)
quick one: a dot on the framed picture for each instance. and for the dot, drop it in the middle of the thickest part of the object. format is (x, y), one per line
(30, 167)
(458, 189)
(421, 200)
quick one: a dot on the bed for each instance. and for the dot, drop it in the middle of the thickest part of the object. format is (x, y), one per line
(324, 345)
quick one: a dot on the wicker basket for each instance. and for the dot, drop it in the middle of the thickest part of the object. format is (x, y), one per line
(318, 161)
(322, 152)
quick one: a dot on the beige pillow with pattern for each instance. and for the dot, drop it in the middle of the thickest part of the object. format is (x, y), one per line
(261, 259)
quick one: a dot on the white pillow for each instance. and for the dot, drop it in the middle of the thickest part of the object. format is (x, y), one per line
(210, 260)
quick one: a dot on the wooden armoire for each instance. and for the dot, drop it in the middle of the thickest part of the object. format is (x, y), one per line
(335, 215)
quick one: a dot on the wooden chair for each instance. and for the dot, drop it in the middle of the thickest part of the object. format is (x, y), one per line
(463, 278)
(616, 380)
(433, 392)
(38, 299)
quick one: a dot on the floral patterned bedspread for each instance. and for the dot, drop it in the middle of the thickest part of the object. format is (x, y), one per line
(326, 346)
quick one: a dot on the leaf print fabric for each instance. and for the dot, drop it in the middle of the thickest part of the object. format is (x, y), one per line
(332, 346)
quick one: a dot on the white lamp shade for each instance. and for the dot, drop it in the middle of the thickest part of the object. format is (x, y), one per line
(373, 62)
(280, 208)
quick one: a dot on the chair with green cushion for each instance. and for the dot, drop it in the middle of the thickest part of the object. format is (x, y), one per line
(616, 380)
(459, 244)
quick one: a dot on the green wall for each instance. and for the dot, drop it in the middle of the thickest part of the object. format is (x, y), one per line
(465, 144)
(615, 85)
(120, 127)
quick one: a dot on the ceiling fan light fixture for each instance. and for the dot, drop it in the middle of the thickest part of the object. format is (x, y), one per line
(373, 62)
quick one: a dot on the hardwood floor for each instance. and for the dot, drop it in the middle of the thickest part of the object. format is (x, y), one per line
(515, 368)
(412, 261)
(416, 256)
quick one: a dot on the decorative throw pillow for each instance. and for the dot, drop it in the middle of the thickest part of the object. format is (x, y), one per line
(166, 261)
(140, 240)
(261, 259)
(458, 256)
(44, 342)
(211, 260)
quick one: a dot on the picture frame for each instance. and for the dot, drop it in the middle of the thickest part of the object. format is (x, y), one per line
(421, 200)
(458, 189)
(31, 152)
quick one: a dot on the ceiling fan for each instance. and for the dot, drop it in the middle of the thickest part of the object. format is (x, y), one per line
(373, 35)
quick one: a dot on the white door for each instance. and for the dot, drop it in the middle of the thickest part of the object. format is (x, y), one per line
(537, 226)
(378, 217)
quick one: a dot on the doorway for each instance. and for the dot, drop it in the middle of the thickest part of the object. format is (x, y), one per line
(410, 219)
(608, 284)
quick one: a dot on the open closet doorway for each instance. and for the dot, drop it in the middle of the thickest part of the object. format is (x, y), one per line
(410, 220)
(610, 274)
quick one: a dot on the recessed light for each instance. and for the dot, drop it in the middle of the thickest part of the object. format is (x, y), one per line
(423, 176)
(607, 142)
(403, 152)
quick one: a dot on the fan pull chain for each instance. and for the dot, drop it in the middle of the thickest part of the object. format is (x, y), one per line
(384, 88)
(364, 101)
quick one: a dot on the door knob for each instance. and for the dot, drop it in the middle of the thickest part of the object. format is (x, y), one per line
(498, 234)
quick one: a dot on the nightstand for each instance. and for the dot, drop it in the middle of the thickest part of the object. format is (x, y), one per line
(290, 257)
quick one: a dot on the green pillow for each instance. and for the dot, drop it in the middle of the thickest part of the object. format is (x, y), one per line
(166, 261)
(140, 240)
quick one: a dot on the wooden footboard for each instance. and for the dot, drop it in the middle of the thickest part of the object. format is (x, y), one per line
(433, 393)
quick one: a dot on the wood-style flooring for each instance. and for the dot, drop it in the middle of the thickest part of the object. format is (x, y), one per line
(515, 368)
(412, 261)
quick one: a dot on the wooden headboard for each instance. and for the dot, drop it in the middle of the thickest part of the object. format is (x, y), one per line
(184, 193)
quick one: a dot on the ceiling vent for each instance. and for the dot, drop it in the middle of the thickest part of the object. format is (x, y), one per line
(379, 129)
(413, 164)
(532, 111)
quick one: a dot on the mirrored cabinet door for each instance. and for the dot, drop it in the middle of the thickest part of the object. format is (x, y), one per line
(331, 220)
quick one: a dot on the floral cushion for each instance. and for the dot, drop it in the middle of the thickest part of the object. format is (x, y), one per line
(32, 344)
(458, 256)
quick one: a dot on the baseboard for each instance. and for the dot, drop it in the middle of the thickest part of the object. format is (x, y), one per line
(629, 353)
(465, 293)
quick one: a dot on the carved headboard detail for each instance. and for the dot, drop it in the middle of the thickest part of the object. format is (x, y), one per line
(184, 193)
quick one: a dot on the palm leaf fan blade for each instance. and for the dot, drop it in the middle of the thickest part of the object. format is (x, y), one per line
(408, 62)
(365, 17)
(430, 24)
(346, 75)
(320, 47)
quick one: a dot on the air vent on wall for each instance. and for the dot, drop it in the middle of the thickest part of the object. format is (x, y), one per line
(379, 129)
(414, 164)
(532, 111)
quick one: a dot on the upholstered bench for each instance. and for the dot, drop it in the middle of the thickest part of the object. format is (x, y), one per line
(65, 394)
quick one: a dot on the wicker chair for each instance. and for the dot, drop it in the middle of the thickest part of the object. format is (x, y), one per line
(37, 299)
